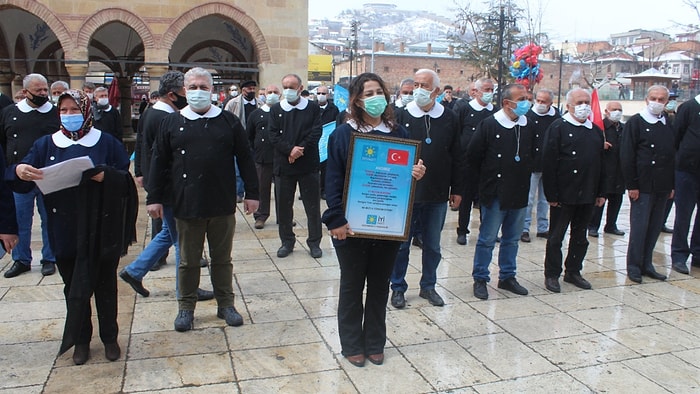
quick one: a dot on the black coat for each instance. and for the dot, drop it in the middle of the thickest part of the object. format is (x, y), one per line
(614, 182)
(540, 124)
(647, 156)
(687, 137)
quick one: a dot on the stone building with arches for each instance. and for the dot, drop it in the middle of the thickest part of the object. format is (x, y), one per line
(142, 39)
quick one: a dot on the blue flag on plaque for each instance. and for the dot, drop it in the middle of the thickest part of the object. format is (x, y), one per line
(323, 142)
(341, 96)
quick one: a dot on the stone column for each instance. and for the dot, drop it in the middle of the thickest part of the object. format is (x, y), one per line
(154, 74)
(77, 72)
(6, 84)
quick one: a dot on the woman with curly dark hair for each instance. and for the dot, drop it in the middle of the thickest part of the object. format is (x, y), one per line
(362, 328)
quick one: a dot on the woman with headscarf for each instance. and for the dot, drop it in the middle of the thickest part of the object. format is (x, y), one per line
(362, 328)
(90, 225)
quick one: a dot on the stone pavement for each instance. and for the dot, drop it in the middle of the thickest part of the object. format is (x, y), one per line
(618, 337)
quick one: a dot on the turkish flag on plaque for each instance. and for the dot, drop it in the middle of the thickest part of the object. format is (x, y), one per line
(397, 156)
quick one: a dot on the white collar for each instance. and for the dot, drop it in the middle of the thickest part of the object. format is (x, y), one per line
(251, 102)
(88, 140)
(265, 108)
(551, 112)
(416, 112)
(651, 118)
(399, 103)
(478, 107)
(26, 108)
(367, 128)
(506, 122)
(188, 113)
(303, 102)
(324, 106)
(587, 124)
(161, 106)
(697, 98)
(109, 108)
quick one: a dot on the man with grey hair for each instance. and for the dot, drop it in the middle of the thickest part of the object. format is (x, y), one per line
(106, 118)
(196, 148)
(89, 89)
(20, 125)
(647, 158)
(540, 116)
(57, 88)
(470, 114)
(405, 94)
(438, 130)
(573, 183)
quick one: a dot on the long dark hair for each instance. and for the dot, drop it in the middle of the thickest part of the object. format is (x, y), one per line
(357, 87)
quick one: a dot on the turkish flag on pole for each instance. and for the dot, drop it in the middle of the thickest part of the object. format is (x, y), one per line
(596, 116)
(113, 93)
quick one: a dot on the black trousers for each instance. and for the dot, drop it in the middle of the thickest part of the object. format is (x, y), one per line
(105, 300)
(362, 328)
(265, 186)
(614, 202)
(471, 188)
(578, 215)
(285, 187)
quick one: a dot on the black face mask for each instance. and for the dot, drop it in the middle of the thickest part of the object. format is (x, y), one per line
(38, 100)
(249, 96)
(181, 101)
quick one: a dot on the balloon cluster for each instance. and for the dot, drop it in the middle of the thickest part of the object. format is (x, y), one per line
(524, 66)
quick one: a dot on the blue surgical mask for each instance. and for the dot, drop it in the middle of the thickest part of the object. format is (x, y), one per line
(671, 105)
(406, 98)
(199, 100)
(487, 97)
(522, 108)
(291, 95)
(422, 97)
(72, 122)
(272, 99)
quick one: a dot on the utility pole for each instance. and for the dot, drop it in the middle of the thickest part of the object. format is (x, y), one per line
(503, 22)
(561, 67)
(353, 49)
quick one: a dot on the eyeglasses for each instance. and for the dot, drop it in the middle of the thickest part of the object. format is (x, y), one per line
(322, 94)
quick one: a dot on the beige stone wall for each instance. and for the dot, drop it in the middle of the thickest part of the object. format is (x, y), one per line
(278, 27)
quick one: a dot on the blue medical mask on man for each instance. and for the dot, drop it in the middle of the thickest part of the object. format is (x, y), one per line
(422, 97)
(291, 95)
(521, 107)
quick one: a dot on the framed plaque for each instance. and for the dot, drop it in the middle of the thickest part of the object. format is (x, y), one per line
(379, 187)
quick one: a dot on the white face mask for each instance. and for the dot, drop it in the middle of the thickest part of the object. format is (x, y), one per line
(655, 108)
(487, 97)
(54, 99)
(272, 99)
(582, 111)
(615, 116)
(234, 93)
(422, 97)
(291, 95)
(90, 95)
(540, 108)
(199, 100)
(103, 102)
(322, 98)
(406, 98)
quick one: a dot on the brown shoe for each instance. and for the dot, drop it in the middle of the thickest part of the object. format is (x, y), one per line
(357, 360)
(259, 224)
(81, 354)
(376, 359)
(525, 237)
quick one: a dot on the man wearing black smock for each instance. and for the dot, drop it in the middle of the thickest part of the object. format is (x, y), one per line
(438, 130)
(107, 118)
(294, 130)
(470, 114)
(197, 148)
(647, 159)
(573, 177)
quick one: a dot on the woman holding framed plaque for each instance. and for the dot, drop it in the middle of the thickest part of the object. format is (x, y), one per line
(364, 258)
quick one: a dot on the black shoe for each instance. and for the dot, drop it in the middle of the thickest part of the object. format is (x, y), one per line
(418, 241)
(204, 295)
(81, 354)
(614, 231)
(552, 284)
(397, 300)
(544, 234)
(636, 278)
(203, 262)
(480, 290)
(666, 230)
(134, 283)
(654, 275)
(462, 239)
(48, 268)
(17, 268)
(184, 321)
(314, 251)
(159, 264)
(678, 267)
(593, 233)
(432, 296)
(284, 251)
(512, 285)
(112, 351)
(577, 280)
(525, 237)
(231, 315)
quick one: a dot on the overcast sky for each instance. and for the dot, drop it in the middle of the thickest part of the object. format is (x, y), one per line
(563, 20)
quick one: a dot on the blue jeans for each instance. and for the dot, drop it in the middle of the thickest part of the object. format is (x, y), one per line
(646, 220)
(24, 205)
(240, 187)
(157, 248)
(537, 187)
(431, 217)
(686, 198)
(510, 222)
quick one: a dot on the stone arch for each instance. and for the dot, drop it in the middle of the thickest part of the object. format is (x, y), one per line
(227, 11)
(108, 15)
(45, 14)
